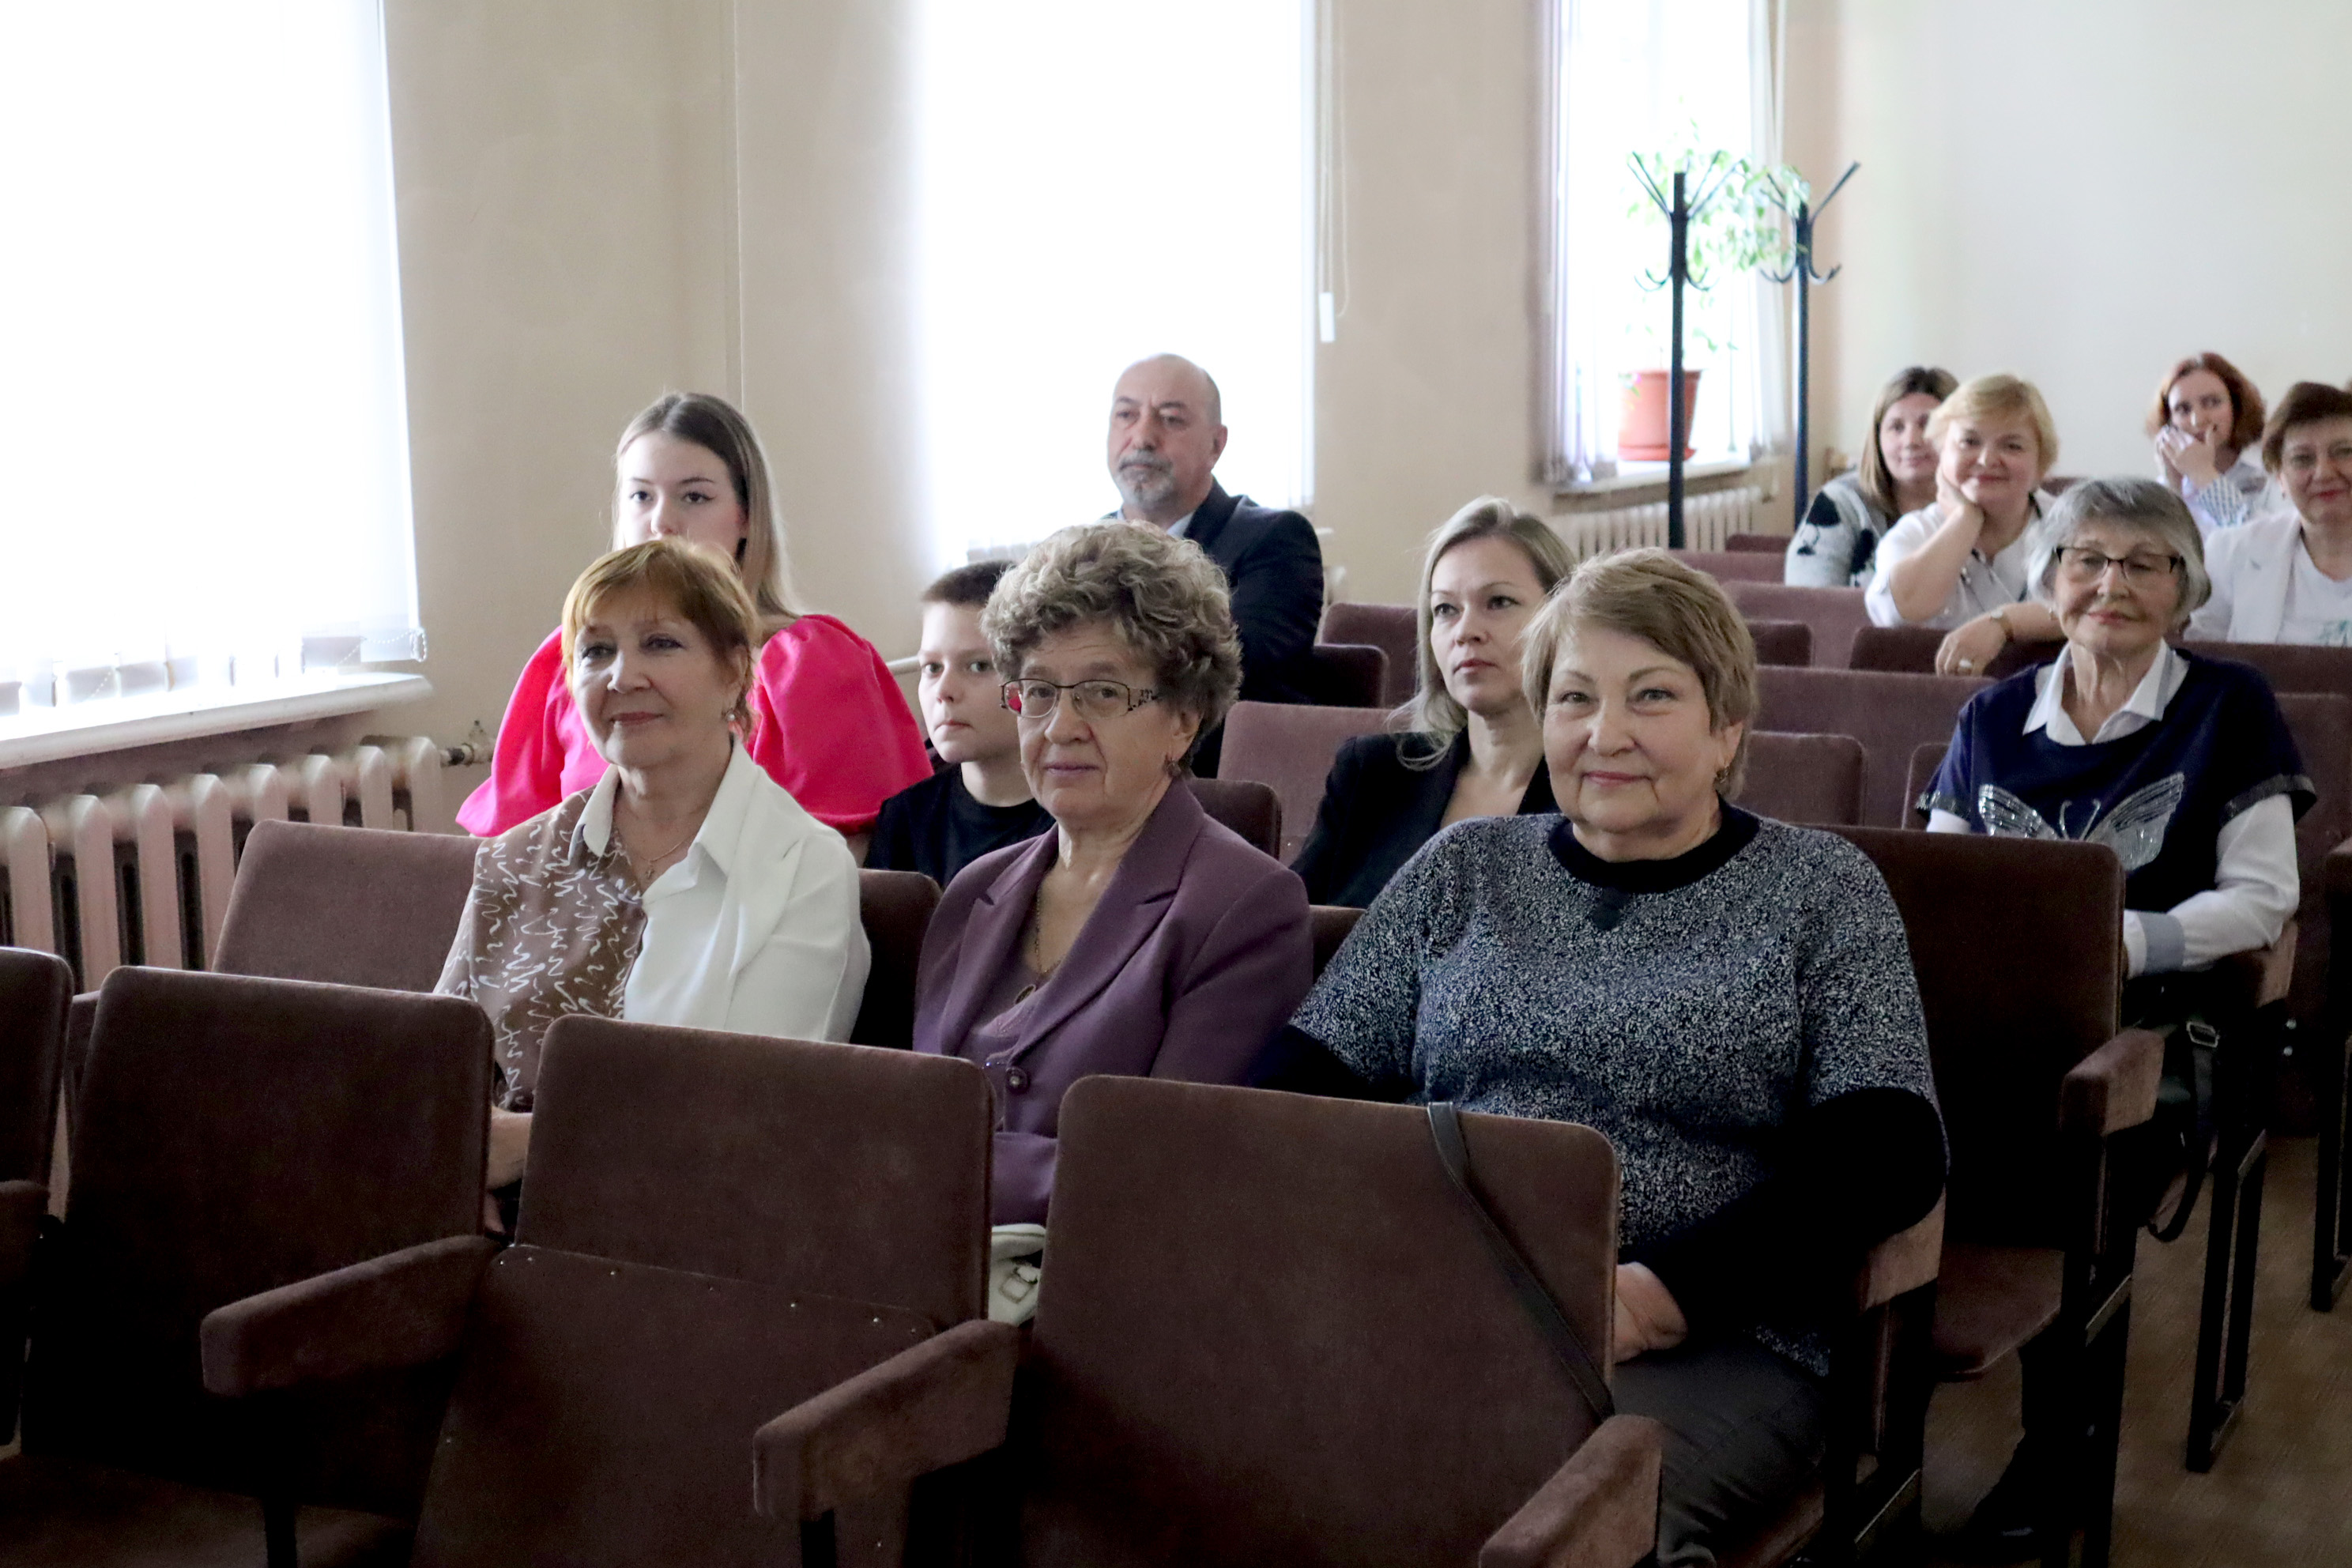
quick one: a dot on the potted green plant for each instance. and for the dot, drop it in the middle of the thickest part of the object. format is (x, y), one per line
(1736, 222)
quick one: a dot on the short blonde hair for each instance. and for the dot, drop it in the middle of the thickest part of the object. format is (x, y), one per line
(1681, 612)
(1161, 596)
(1431, 711)
(690, 580)
(1999, 397)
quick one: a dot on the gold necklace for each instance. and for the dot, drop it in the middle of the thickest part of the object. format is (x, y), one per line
(640, 867)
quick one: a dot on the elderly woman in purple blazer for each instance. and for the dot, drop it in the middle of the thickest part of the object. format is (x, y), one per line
(1140, 937)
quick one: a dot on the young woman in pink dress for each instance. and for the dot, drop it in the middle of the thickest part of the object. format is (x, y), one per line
(832, 727)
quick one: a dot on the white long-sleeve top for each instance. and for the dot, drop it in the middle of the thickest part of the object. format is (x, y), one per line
(1985, 582)
(2256, 885)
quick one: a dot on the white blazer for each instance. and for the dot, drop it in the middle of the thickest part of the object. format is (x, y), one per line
(2251, 565)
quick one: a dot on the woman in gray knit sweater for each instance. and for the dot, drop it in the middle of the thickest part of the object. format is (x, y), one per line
(1730, 1000)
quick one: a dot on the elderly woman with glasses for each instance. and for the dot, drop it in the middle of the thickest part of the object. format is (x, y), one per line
(1139, 936)
(2179, 762)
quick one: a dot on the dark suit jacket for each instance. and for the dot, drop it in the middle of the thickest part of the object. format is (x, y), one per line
(1377, 813)
(1198, 953)
(1274, 566)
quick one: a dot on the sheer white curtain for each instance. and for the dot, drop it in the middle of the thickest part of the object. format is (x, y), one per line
(1095, 184)
(203, 414)
(1656, 77)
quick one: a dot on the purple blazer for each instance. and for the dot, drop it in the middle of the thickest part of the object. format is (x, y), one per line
(1198, 953)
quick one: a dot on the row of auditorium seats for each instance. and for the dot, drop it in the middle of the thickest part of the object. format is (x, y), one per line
(238, 1138)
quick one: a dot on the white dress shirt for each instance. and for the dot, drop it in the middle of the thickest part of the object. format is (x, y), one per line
(1986, 584)
(2255, 883)
(755, 930)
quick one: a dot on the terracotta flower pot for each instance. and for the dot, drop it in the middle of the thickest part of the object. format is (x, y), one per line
(1642, 433)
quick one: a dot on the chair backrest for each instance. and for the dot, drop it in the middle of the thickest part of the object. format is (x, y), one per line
(1926, 758)
(687, 1195)
(1757, 543)
(1911, 650)
(1348, 675)
(1835, 613)
(806, 1166)
(348, 906)
(236, 1134)
(1248, 806)
(2014, 944)
(1891, 715)
(1372, 1393)
(1733, 565)
(1331, 923)
(1782, 642)
(895, 907)
(1810, 779)
(1392, 630)
(2288, 666)
(36, 989)
(1289, 748)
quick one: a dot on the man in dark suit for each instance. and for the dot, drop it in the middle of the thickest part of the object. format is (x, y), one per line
(1167, 432)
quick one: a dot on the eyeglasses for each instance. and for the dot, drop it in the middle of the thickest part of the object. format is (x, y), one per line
(1036, 701)
(2139, 570)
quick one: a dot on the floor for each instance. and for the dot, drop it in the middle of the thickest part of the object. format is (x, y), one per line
(2280, 1493)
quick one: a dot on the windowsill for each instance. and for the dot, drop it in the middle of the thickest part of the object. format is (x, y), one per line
(1638, 476)
(118, 724)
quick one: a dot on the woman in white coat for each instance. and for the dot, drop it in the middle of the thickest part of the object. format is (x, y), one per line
(2289, 579)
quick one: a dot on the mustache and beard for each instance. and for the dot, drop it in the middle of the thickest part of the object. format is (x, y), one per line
(1146, 480)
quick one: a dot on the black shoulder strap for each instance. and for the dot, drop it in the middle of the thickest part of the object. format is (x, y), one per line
(1445, 1129)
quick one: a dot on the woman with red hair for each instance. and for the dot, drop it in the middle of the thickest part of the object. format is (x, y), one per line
(2207, 428)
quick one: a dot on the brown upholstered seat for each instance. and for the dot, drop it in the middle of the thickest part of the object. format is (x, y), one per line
(1891, 715)
(1348, 675)
(1289, 748)
(237, 1134)
(1911, 650)
(1392, 630)
(1813, 779)
(1782, 642)
(1331, 923)
(895, 907)
(1732, 565)
(1250, 808)
(35, 989)
(2020, 970)
(1775, 544)
(349, 906)
(1269, 1332)
(1835, 613)
(714, 1229)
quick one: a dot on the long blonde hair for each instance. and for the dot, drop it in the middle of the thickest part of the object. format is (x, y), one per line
(719, 427)
(1432, 715)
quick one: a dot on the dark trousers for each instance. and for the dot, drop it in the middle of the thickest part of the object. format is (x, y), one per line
(1745, 1432)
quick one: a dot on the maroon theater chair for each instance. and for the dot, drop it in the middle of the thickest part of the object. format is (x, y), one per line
(1835, 613)
(1891, 715)
(35, 991)
(1782, 642)
(1288, 747)
(1392, 628)
(1815, 780)
(895, 907)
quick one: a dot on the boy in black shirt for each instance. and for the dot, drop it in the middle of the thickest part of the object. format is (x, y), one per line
(979, 799)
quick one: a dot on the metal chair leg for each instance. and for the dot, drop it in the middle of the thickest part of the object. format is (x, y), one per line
(2226, 1320)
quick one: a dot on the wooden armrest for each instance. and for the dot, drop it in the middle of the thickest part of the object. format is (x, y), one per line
(2114, 1087)
(2264, 973)
(1599, 1510)
(405, 1309)
(21, 1205)
(1902, 1263)
(937, 1403)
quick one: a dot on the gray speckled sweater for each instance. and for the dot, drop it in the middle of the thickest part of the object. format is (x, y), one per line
(1687, 1024)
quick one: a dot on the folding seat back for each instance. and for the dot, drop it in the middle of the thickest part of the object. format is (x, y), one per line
(1288, 747)
(1811, 779)
(1774, 544)
(1782, 642)
(1911, 650)
(1392, 628)
(1835, 613)
(1247, 806)
(1891, 715)
(35, 991)
(236, 1135)
(349, 906)
(895, 907)
(2289, 666)
(714, 1229)
(2322, 726)
(1733, 565)
(1332, 924)
(1348, 675)
(1271, 1332)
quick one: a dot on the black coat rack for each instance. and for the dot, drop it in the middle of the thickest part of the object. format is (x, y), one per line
(1679, 211)
(1801, 271)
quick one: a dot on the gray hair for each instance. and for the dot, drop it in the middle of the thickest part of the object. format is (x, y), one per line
(1161, 596)
(1432, 715)
(2140, 504)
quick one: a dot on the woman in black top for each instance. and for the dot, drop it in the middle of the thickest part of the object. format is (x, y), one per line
(1471, 746)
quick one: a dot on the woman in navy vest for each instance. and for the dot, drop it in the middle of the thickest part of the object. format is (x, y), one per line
(2180, 764)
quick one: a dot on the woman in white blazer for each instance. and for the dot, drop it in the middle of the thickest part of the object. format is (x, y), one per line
(2289, 579)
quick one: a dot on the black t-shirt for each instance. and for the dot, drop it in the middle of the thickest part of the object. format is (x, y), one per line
(937, 828)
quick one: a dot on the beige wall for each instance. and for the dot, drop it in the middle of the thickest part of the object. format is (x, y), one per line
(2078, 193)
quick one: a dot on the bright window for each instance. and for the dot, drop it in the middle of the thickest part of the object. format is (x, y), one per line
(1655, 77)
(203, 418)
(1097, 181)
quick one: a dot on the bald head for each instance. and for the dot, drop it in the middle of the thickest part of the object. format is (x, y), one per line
(1167, 432)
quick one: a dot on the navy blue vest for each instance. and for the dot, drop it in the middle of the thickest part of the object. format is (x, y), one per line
(2159, 798)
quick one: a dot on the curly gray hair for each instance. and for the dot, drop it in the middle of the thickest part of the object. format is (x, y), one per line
(2142, 505)
(1163, 597)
